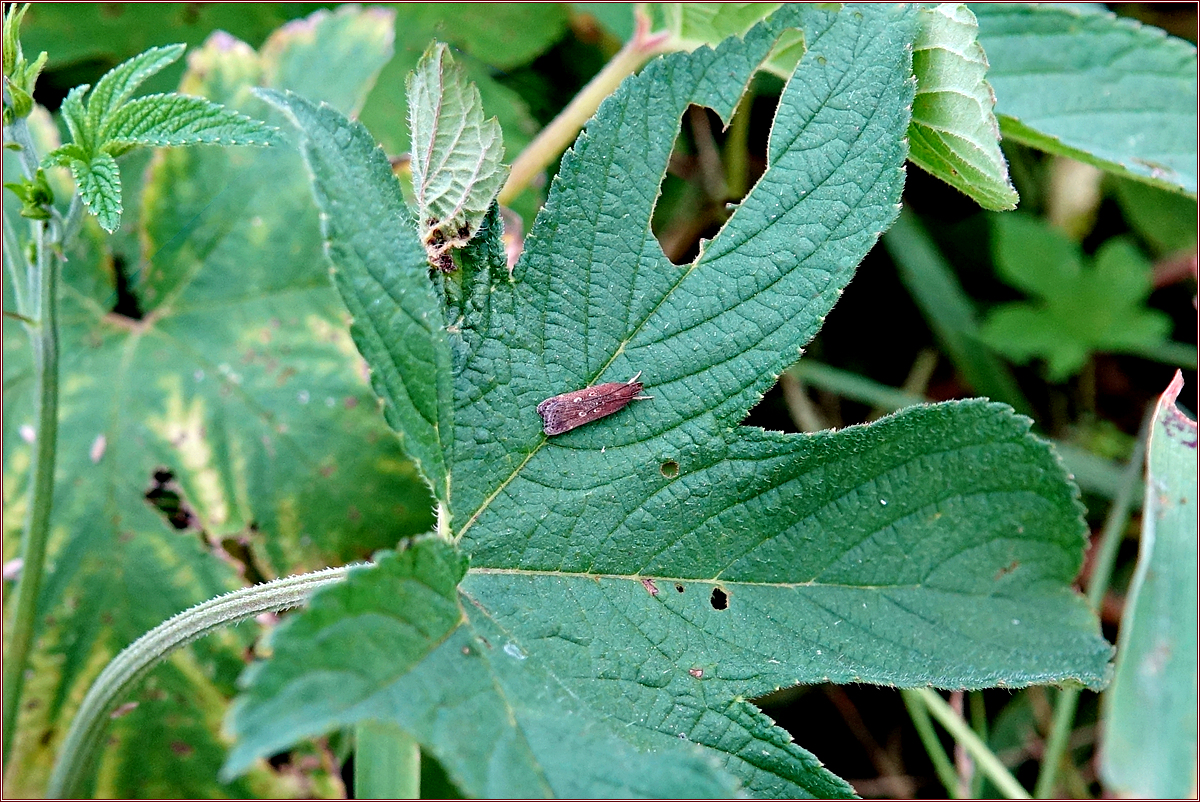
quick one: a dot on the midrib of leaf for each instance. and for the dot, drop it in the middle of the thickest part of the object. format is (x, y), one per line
(716, 580)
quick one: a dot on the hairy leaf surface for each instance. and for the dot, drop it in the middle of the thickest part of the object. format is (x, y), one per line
(647, 573)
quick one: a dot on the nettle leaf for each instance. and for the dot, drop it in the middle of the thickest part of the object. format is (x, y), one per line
(119, 83)
(75, 115)
(234, 376)
(1099, 88)
(172, 120)
(642, 576)
(1079, 307)
(456, 155)
(99, 183)
(954, 134)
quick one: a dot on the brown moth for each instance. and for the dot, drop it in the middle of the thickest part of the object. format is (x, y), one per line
(562, 413)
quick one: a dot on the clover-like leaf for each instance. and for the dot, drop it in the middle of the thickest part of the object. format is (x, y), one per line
(1079, 308)
(649, 572)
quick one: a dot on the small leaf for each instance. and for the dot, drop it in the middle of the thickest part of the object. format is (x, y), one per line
(75, 115)
(1102, 89)
(455, 155)
(12, 36)
(1149, 745)
(118, 84)
(20, 76)
(695, 24)
(954, 134)
(99, 183)
(36, 196)
(168, 120)
(1079, 307)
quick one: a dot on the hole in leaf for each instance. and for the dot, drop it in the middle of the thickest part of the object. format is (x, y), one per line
(711, 168)
(164, 495)
(679, 587)
(670, 469)
(719, 599)
(127, 303)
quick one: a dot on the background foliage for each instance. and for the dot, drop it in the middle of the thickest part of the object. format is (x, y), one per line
(217, 425)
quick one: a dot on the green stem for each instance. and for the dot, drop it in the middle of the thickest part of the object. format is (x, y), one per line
(44, 335)
(562, 130)
(86, 734)
(979, 723)
(15, 266)
(933, 747)
(737, 148)
(1106, 556)
(985, 759)
(40, 301)
(387, 762)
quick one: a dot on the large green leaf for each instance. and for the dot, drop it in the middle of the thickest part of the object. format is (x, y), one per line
(241, 381)
(1149, 747)
(1096, 87)
(647, 573)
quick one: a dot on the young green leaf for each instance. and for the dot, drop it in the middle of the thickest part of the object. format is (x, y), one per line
(20, 75)
(1149, 746)
(1079, 307)
(110, 125)
(36, 196)
(455, 155)
(118, 84)
(650, 571)
(1099, 88)
(175, 120)
(99, 183)
(954, 134)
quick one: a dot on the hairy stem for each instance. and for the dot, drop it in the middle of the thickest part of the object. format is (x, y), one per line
(127, 668)
(37, 302)
(43, 332)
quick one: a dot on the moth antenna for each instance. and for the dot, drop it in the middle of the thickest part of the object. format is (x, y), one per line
(635, 377)
(641, 398)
